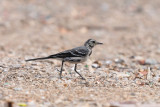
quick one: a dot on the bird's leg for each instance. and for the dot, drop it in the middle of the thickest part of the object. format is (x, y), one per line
(75, 69)
(60, 75)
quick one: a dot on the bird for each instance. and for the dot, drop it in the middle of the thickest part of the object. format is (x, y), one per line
(76, 55)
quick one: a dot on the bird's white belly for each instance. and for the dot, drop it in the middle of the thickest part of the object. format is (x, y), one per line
(76, 60)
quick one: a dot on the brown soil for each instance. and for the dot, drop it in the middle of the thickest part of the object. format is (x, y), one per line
(125, 71)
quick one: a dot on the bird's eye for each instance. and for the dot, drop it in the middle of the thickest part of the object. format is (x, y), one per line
(94, 42)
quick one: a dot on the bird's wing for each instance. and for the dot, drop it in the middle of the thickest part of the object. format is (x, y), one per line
(75, 52)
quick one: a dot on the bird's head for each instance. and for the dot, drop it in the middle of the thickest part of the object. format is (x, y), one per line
(91, 43)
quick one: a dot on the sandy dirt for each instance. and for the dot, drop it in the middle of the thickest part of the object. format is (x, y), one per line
(124, 72)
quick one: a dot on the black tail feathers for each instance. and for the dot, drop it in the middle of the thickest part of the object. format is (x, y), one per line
(37, 59)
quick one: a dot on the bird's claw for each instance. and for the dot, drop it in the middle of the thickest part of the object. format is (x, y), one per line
(83, 78)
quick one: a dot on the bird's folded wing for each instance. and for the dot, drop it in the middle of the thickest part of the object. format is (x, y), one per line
(76, 52)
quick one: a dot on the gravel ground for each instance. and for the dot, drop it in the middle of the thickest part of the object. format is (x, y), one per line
(124, 72)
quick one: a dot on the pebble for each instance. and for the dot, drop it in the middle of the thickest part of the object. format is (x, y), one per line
(6, 70)
(143, 61)
(95, 65)
(120, 61)
(22, 104)
(32, 104)
(122, 75)
(6, 83)
(18, 89)
(139, 59)
(149, 75)
(17, 66)
(108, 62)
(150, 61)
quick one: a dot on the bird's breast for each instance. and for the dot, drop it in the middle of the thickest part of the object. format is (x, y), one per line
(90, 52)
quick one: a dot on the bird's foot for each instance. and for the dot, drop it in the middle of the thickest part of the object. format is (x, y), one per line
(83, 78)
(57, 69)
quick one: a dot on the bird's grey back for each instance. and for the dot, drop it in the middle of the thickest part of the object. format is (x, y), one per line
(81, 51)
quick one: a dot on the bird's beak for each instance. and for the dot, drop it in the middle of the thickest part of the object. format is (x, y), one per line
(99, 43)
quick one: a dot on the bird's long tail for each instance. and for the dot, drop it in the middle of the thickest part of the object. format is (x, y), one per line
(37, 59)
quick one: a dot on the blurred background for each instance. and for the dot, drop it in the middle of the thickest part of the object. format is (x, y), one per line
(30, 27)
(125, 68)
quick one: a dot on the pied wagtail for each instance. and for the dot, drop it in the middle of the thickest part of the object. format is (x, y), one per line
(75, 55)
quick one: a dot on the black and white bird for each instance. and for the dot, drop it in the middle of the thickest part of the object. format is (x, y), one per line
(75, 55)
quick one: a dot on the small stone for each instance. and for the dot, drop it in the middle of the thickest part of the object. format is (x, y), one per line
(17, 66)
(18, 89)
(1, 96)
(27, 92)
(22, 104)
(6, 83)
(65, 85)
(108, 62)
(144, 73)
(43, 97)
(142, 62)
(149, 75)
(120, 61)
(122, 75)
(95, 65)
(31, 104)
(150, 61)
(159, 79)
(139, 59)
(6, 70)
(133, 94)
